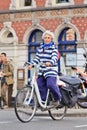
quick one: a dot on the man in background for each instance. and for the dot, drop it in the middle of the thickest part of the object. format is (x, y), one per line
(7, 80)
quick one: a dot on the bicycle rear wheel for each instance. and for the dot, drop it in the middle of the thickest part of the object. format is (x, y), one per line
(58, 113)
(23, 109)
(82, 102)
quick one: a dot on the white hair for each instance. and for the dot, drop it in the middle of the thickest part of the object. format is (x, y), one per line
(49, 33)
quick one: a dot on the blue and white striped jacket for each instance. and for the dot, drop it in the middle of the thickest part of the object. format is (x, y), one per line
(48, 53)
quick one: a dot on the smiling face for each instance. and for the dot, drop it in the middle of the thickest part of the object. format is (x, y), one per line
(47, 38)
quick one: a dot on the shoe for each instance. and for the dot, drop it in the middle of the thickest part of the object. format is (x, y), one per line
(4, 107)
(55, 103)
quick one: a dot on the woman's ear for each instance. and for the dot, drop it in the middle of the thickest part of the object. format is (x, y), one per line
(51, 39)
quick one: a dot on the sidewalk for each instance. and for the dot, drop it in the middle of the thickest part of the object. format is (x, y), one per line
(77, 112)
(71, 112)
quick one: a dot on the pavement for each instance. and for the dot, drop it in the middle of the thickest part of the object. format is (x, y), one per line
(71, 112)
(77, 112)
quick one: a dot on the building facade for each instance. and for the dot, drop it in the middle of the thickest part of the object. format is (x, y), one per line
(22, 23)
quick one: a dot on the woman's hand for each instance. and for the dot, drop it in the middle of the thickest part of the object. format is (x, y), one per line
(30, 67)
(48, 64)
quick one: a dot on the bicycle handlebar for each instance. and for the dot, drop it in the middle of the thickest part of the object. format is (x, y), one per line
(26, 64)
(29, 63)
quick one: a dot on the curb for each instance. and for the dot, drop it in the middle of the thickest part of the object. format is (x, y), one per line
(70, 113)
(79, 112)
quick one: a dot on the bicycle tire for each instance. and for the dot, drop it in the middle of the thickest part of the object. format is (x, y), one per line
(58, 113)
(82, 102)
(24, 112)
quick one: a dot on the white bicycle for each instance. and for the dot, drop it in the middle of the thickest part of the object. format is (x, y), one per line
(28, 101)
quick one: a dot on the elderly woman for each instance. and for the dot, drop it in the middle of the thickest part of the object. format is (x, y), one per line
(47, 75)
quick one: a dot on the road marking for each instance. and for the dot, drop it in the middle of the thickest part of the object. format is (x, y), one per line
(35, 119)
(81, 126)
(6, 122)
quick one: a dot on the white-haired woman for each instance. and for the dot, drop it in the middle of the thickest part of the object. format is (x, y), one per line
(47, 75)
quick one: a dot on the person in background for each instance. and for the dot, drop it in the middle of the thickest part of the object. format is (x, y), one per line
(7, 80)
(48, 71)
(82, 73)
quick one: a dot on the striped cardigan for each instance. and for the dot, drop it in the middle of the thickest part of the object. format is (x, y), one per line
(47, 54)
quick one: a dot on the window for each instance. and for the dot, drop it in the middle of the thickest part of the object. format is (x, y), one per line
(10, 35)
(28, 2)
(61, 1)
(67, 40)
(68, 49)
(22, 4)
(35, 40)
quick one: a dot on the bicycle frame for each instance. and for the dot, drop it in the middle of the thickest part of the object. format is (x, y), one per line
(36, 90)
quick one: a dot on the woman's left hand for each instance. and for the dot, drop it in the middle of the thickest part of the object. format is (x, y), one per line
(48, 64)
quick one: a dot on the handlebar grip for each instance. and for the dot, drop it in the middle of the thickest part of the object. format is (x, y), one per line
(26, 64)
(74, 68)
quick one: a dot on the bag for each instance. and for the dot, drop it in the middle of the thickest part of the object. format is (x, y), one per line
(9, 80)
(69, 96)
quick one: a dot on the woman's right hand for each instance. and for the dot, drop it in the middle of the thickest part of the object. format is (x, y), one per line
(30, 67)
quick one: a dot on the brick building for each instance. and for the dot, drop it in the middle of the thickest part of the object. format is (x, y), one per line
(22, 23)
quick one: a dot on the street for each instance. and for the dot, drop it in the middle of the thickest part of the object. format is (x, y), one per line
(9, 121)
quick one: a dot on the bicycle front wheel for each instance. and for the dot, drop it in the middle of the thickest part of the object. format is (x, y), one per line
(58, 113)
(24, 110)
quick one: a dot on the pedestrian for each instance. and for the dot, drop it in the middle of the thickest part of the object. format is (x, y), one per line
(48, 71)
(7, 80)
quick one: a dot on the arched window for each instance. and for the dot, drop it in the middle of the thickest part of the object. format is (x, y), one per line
(67, 47)
(67, 40)
(33, 43)
(35, 40)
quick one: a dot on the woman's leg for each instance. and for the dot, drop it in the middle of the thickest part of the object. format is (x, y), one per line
(41, 81)
(52, 85)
